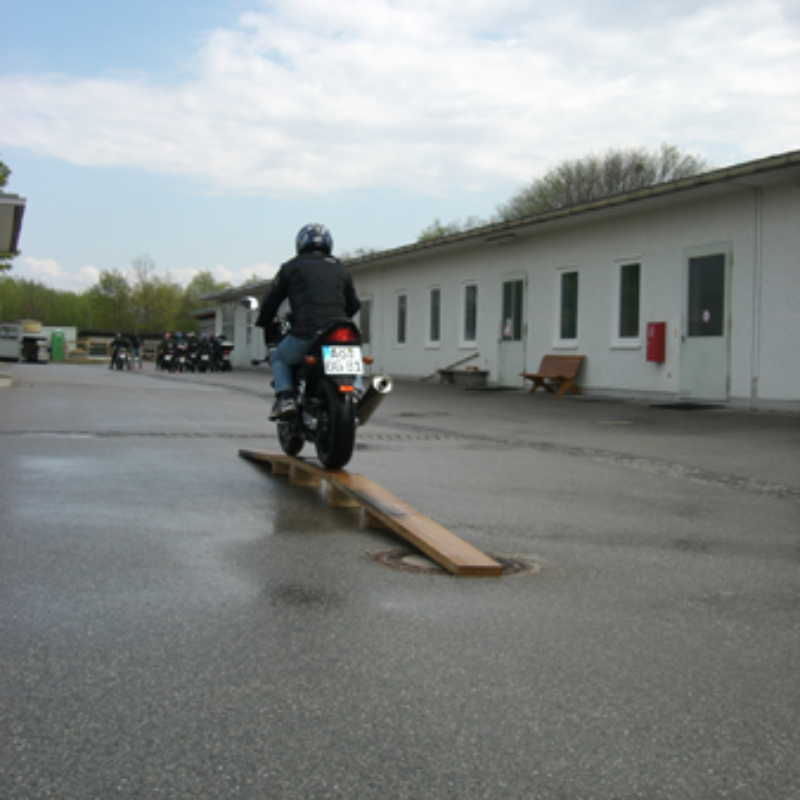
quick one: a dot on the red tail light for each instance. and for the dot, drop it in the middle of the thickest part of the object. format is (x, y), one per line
(342, 335)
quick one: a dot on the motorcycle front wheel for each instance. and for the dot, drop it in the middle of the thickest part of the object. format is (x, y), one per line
(336, 426)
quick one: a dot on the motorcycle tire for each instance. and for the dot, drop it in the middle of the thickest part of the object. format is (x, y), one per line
(336, 427)
(290, 440)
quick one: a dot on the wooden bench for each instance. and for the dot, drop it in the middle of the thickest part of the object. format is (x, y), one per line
(556, 371)
(472, 377)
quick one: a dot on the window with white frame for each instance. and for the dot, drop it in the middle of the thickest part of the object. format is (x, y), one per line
(401, 318)
(434, 315)
(469, 330)
(629, 301)
(568, 305)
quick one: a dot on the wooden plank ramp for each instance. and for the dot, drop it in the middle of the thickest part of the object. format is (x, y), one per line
(382, 509)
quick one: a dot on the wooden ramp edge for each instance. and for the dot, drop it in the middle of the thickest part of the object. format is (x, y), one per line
(383, 509)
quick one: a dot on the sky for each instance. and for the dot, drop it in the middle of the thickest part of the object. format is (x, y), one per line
(204, 133)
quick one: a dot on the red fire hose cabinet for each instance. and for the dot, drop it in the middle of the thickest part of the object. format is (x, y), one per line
(657, 341)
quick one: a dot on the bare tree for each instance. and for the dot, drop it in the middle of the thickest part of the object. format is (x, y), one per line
(596, 176)
(144, 292)
(437, 229)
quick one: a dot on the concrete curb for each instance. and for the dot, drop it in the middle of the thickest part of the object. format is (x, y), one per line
(5, 380)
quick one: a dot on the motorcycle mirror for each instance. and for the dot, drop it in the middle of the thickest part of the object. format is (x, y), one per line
(250, 303)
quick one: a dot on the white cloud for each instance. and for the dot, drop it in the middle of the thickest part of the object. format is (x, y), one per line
(431, 95)
(242, 276)
(40, 268)
(50, 273)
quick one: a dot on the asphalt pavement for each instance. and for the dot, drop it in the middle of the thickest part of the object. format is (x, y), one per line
(177, 622)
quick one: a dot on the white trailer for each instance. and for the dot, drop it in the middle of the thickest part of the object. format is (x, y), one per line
(18, 344)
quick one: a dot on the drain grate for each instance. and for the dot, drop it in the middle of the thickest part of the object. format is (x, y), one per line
(412, 561)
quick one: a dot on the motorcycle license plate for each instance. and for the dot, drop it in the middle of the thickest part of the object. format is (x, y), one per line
(340, 360)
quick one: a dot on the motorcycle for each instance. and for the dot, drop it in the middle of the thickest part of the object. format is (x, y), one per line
(329, 408)
(122, 361)
(224, 359)
(203, 362)
(181, 354)
(166, 361)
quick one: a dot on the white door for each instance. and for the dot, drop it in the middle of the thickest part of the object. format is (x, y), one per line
(704, 346)
(511, 356)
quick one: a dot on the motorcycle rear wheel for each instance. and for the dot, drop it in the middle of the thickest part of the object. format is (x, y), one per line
(290, 440)
(336, 427)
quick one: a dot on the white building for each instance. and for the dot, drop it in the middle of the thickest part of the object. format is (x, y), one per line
(12, 210)
(715, 258)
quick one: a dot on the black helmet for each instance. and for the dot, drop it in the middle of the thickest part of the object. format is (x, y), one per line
(314, 237)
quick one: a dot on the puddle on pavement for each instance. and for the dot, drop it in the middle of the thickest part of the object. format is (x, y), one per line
(294, 595)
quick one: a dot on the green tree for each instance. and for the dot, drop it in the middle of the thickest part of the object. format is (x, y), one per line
(438, 229)
(165, 304)
(596, 176)
(9, 299)
(143, 293)
(26, 299)
(111, 301)
(358, 252)
(201, 284)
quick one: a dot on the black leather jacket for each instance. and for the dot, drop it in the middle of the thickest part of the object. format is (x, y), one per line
(318, 287)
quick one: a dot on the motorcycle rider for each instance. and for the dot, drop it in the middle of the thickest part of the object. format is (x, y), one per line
(319, 288)
(166, 346)
(191, 345)
(117, 342)
(216, 352)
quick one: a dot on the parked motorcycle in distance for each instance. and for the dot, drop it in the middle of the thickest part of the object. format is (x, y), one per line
(122, 360)
(329, 408)
(181, 357)
(166, 361)
(224, 355)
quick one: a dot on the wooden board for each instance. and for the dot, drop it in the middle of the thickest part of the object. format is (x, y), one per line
(438, 543)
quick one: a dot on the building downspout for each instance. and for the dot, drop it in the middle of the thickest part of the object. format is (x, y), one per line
(755, 355)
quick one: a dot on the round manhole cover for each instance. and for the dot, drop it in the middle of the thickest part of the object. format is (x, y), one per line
(406, 561)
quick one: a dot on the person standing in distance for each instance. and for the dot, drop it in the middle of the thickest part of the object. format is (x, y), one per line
(136, 348)
(319, 288)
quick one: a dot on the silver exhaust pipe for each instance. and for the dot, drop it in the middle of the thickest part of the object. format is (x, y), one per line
(379, 387)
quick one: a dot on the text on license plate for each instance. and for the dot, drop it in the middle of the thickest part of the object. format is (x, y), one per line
(339, 360)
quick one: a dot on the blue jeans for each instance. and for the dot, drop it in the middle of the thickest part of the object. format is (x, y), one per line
(285, 357)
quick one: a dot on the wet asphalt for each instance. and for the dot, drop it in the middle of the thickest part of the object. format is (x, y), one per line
(177, 622)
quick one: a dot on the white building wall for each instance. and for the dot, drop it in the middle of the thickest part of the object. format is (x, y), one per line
(248, 342)
(659, 239)
(779, 340)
